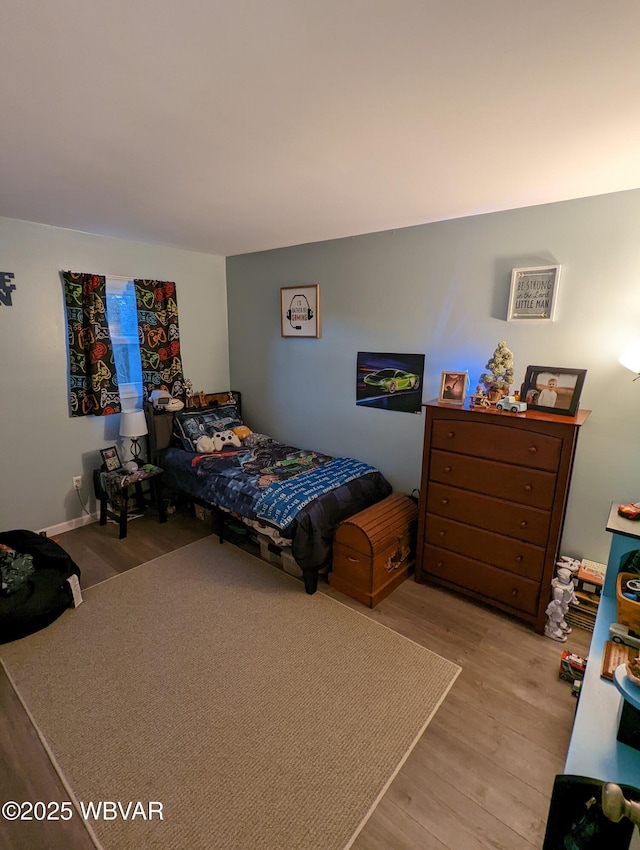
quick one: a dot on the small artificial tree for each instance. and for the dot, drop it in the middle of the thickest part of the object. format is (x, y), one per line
(501, 373)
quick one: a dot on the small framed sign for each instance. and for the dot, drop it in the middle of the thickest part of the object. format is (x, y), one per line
(534, 294)
(300, 310)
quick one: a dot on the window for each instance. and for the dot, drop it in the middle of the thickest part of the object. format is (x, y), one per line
(122, 317)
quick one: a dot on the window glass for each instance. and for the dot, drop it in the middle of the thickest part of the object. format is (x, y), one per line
(123, 327)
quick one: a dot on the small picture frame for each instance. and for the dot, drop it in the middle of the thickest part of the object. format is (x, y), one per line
(534, 294)
(110, 459)
(300, 310)
(553, 389)
(453, 387)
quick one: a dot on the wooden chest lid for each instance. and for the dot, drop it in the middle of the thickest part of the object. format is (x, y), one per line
(371, 529)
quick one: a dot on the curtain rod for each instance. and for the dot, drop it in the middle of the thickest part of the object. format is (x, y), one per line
(118, 277)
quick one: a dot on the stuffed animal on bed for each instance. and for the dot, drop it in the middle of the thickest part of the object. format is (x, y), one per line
(216, 443)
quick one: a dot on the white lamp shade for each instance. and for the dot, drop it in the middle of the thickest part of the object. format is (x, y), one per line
(133, 423)
(631, 357)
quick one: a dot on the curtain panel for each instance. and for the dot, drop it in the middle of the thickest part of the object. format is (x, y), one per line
(93, 381)
(159, 336)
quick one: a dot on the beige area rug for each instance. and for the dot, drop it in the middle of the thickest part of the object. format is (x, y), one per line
(208, 681)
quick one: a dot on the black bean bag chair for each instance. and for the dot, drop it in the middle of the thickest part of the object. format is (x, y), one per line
(44, 595)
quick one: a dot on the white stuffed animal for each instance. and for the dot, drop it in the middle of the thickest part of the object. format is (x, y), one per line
(205, 445)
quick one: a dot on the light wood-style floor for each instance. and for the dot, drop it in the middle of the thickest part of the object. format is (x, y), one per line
(481, 775)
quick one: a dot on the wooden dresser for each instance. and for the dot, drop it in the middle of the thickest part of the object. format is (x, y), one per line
(492, 503)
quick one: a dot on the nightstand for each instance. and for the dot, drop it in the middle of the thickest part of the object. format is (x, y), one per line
(114, 488)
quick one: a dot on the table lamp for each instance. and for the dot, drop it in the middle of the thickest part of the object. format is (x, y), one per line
(133, 424)
(631, 358)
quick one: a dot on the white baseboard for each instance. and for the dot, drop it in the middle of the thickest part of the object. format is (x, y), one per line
(70, 525)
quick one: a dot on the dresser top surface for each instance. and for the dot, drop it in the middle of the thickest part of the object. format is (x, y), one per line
(528, 415)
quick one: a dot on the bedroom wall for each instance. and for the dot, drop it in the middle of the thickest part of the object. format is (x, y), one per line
(442, 289)
(42, 446)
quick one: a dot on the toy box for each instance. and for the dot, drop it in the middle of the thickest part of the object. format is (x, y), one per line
(628, 600)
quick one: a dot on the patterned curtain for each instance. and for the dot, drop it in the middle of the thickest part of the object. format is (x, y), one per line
(159, 337)
(93, 382)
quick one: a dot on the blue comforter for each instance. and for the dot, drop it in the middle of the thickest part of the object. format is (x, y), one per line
(302, 493)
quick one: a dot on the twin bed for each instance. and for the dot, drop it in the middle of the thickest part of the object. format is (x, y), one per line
(295, 497)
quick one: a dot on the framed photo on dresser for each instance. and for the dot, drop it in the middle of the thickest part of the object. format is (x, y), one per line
(453, 387)
(553, 389)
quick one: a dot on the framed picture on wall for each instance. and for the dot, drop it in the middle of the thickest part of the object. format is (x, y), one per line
(453, 387)
(300, 310)
(552, 389)
(390, 381)
(534, 294)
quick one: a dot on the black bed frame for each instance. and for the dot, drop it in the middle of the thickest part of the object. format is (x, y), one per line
(160, 426)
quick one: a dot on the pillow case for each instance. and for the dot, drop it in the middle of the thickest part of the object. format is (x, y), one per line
(190, 425)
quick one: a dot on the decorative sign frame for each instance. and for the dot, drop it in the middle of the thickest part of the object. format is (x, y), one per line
(534, 294)
(300, 310)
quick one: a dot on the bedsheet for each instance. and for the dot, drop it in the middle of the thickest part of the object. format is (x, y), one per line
(316, 491)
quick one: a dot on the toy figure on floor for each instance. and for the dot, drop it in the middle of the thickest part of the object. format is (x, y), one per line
(562, 593)
(556, 627)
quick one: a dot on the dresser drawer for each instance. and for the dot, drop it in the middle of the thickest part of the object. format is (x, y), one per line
(516, 483)
(497, 442)
(503, 552)
(516, 592)
(519, 521)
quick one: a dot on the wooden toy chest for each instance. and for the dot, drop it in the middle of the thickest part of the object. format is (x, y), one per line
(628, 610)
(374, 549)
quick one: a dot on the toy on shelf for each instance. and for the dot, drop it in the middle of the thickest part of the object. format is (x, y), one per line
(630, 511)
(512, 404)
(479, 398)
(620, 633)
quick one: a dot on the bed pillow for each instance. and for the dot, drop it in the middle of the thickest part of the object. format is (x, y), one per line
(190, 425)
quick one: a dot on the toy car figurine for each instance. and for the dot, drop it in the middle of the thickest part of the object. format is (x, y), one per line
(572, 667)
(622, 634)
(630, 511)
(511, 403)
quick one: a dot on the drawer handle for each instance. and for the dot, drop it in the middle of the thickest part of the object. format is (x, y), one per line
(524, 523)
(353, 560)
(528, 488)
(451, 434)
(518, 558)
(440, 564)
(533, 449)
(514, 592)
(445, 501)
(447, 469)
(442, 533)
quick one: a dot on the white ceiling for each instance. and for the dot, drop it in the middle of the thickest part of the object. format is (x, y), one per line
(229, 126)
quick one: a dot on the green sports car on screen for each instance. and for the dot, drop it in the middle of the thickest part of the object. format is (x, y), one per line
(391, 380)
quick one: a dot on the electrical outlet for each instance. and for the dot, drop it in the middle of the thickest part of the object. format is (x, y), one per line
(77, 482)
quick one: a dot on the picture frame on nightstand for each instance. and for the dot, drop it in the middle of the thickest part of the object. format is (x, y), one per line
(110, 459)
